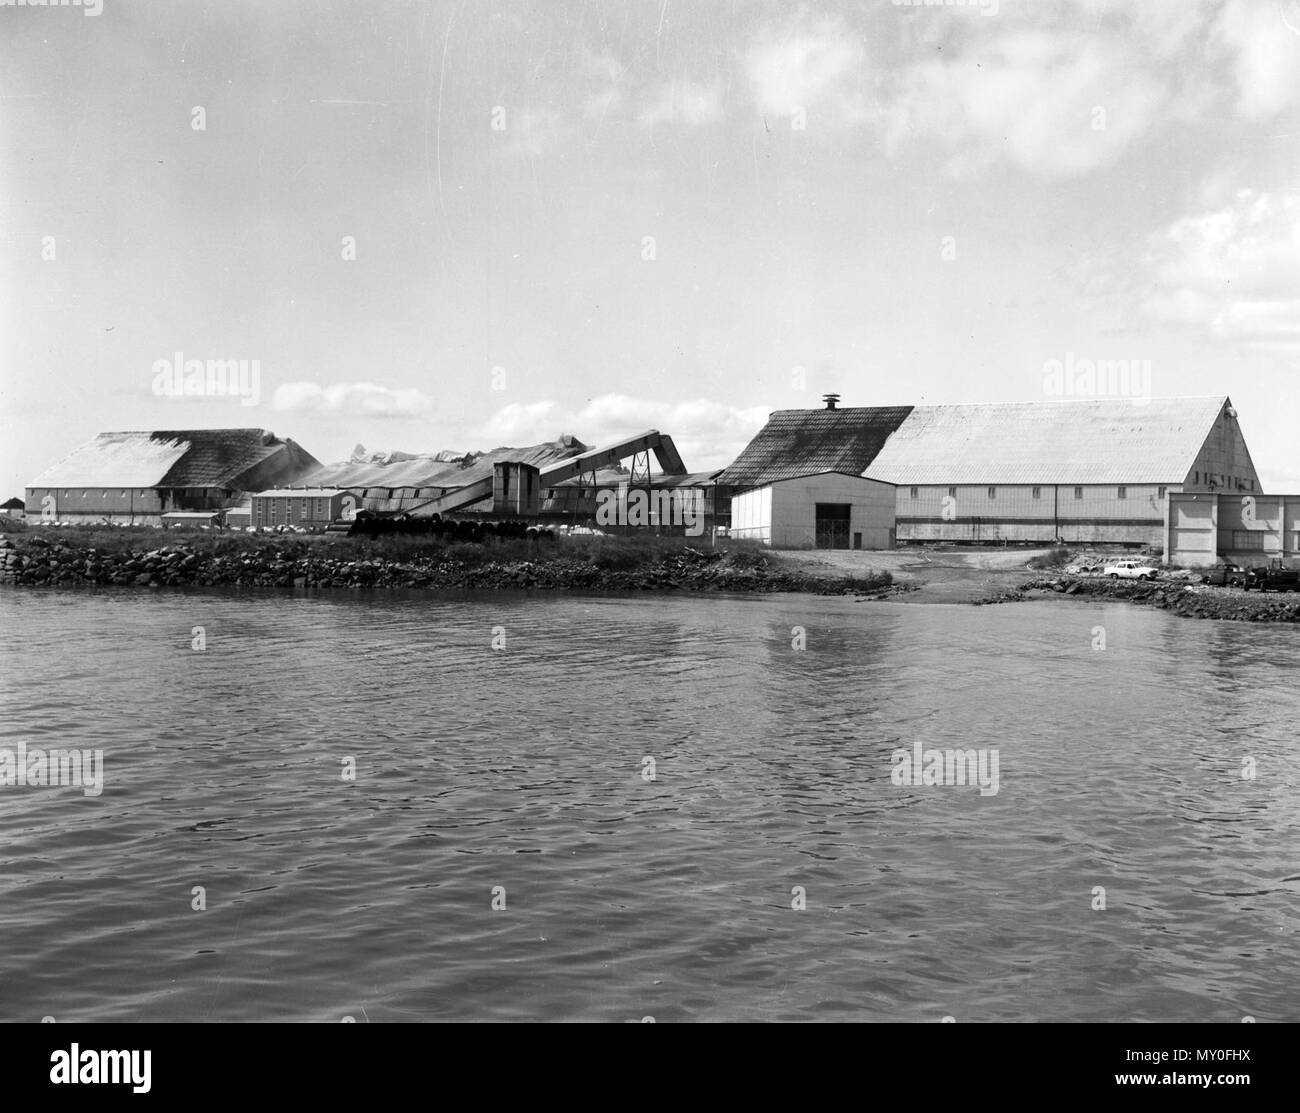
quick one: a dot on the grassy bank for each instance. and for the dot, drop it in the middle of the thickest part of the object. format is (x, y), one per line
(140, 557)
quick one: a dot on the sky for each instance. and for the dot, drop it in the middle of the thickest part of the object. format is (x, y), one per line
(464, 225)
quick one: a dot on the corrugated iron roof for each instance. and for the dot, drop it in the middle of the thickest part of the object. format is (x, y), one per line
(168, 458)
(428, 471)
(796, 443)
(299, 493)
(1074, 441)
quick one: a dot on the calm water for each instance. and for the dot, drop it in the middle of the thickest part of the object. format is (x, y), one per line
(624, 898)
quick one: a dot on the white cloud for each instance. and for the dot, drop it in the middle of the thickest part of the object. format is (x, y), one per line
(360, 399)
(533, 130)
(522, 424)
(607, 74)
(1058, 91)
(808, 65)
(685, 102)
(1265, 42)
(603, 103)
(707, 434)
(1233, 271)
(1055, 105)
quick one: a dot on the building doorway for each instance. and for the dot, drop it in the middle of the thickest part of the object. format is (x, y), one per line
(832, 521)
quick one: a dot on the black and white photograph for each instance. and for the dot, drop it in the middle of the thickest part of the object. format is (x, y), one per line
(650, 511)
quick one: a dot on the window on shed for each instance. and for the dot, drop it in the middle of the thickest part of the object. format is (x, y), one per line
(1038, 492)
(993, 492)
(1078, 492)
(913, 492)
(1160, 492)
(952, 492)
(1122, 493)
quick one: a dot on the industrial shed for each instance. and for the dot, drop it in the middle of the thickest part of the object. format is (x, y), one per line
(1089, 471)
(799, 482)
(311, 508)
(137, 477)
(833, 510)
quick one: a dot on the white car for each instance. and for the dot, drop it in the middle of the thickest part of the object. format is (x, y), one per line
(1130, 570)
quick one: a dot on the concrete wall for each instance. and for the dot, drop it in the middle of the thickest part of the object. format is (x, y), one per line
(1203, 528)
(784, 514)
(1079, 513)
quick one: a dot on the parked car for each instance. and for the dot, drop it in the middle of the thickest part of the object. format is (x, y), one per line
(1274, 577)
(1226, 574)
(1130, 570)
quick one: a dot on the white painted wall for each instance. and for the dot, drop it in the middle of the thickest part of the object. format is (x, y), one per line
(751, 515)
(784, 514)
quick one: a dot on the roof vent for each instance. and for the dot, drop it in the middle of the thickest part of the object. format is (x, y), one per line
(830, 400)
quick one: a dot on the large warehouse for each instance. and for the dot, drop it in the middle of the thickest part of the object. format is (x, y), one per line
(139, 478)
(1079, 471)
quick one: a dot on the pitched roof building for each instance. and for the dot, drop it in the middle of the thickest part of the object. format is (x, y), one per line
(138, 476)
(1092, 469)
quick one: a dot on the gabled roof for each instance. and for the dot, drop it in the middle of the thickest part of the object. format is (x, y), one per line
(170, 458)
(1075, 441)
(797, 443)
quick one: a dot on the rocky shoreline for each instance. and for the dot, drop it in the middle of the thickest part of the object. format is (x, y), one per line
(38, 561)
(41, 562)
(1185, 599)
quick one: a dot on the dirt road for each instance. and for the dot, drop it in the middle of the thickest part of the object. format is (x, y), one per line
(937, 575)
